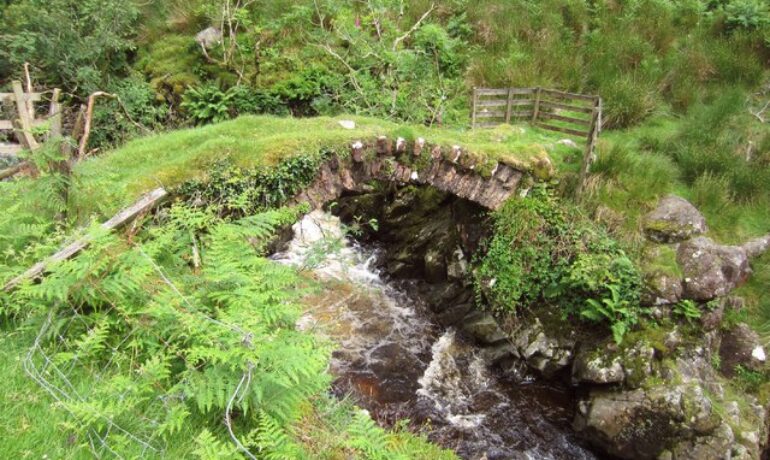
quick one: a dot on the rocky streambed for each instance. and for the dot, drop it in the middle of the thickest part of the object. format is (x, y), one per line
(414, 344)
(398, 360)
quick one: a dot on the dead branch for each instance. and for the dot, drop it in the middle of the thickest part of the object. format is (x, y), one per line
(126, 215)
(414, 27)
(12, 171)
(88, 118)
(28, 80)
(760, 114)
(351, 71)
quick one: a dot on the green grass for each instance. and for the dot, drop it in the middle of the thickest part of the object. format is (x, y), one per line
(105, 183)
(33, 425)
(636, 167)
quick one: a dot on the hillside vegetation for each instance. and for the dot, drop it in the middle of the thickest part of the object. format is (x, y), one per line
(149, 344)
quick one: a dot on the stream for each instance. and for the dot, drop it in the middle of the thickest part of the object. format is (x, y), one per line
(396, 362)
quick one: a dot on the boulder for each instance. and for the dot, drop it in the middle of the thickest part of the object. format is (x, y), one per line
(661, 289)
(741, 346)
(483, 328)
(643, 423)
(542, 352)
(210, 37)
(597, 367)
(757, 247)
(675, 219)
(711, 270)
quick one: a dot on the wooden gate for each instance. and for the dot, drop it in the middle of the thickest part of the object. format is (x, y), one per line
(27, 123)
(577, 115)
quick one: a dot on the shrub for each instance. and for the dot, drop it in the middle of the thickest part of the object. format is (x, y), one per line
(137, 112)
(207, 104)
(542, 251)
(78, 44)
(747, 14)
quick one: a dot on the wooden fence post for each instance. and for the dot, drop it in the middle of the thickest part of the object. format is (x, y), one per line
(54, 115)
(508, 106)
(24, 133)
(593, 135)
(536, 108)
(473, 110)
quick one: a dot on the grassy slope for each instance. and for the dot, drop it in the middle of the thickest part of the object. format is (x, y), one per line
(629, 179)
(105, 183)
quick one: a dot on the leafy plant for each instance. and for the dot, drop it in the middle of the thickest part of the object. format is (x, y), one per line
(81, 45)
(231, 190)
(542, 251)
(750, 380)
(618, 312)
(687, 309)
(207, 104)
(747, 14)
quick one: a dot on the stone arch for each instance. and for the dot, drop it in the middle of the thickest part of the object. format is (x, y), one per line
(443, 168)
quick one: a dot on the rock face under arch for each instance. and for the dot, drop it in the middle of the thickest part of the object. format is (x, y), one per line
(383, 162)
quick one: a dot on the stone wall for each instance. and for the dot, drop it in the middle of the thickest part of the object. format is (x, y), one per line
(446, 169)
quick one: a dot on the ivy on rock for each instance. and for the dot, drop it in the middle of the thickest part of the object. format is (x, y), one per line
(544, 252)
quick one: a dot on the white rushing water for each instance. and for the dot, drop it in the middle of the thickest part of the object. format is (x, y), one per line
(399, 364)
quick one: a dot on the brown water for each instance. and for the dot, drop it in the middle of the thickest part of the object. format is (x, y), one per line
(396, 362)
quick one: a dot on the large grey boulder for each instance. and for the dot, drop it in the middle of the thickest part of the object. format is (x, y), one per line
(483, 328)
(675, 219)
(711, 270)
(643, 423)
(741, 346)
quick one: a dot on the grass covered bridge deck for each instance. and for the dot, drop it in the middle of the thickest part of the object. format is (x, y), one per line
(104, 184)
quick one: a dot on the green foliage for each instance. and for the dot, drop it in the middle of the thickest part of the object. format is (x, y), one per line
(207, 104)
(749, 380)
(233, 190)
(234, 322)
(172, 64)
(687, 309)
(708, 144)
(78, 44)
(747, 14)
(208, 447)
(544, 251)
(135, 112)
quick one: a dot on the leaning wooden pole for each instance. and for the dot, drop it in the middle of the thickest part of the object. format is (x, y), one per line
(144, 204)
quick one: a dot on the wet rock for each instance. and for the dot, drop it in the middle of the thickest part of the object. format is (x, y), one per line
(483, 328)
(548, 355)
(711, 270)
(435, 266)
(597, 367)
(497, 353)
(454, 313)
(457, 269)
(675, 219)
(741, 346)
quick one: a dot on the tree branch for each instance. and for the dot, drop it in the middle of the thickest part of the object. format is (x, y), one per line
(414, 27)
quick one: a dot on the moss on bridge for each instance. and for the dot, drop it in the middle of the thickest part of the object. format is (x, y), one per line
(107, 182)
